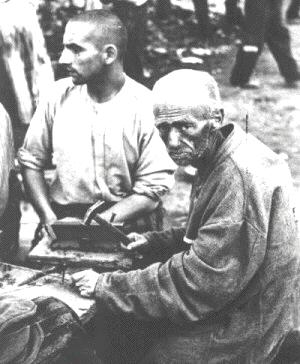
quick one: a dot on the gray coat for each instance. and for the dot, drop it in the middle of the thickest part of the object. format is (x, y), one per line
(229, 288)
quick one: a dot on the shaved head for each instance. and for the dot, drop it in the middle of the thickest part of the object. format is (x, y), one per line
(106, 27)
(188, 90)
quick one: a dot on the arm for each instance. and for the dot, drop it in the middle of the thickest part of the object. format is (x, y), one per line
(35, 186)
(226, 253)
(34, 155)
(128, 208)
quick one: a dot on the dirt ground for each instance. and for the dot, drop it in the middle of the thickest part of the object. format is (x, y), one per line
(274, 117)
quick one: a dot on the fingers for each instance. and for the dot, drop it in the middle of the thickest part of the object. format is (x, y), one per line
(79, 275)
(49, 231)
(135, 245)
(133, 236)
(85, 281)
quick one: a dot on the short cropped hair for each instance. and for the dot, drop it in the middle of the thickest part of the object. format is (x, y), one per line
(112, 27)
(187, 89)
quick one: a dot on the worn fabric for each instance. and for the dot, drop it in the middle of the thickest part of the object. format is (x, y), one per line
(42, 331)
(10, 192)
(101, 151)
(19, 340)
(65, 340)
(263, 24)
(228, 283)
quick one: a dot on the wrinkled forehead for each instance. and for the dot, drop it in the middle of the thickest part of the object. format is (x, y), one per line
(171, 113)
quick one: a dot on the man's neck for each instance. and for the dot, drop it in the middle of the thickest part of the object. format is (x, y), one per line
(107, 87)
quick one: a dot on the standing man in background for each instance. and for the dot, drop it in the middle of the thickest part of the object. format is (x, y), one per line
(134, 14)
(97, 127)
(263, 24)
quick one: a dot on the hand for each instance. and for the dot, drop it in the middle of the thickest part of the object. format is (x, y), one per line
(46, 234)
(139, 244)
(86, 282)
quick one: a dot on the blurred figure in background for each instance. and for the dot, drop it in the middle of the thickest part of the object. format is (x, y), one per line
(263, 24)
(233, 15)
(201, 13)
(26, 70)
(133, 13)
(10, 192)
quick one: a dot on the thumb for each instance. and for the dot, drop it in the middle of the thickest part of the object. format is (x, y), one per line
(79, 275)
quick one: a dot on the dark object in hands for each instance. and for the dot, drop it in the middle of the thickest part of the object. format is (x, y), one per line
(72, 234)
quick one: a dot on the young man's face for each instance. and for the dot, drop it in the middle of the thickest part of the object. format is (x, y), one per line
(83, 53)
(184, 134)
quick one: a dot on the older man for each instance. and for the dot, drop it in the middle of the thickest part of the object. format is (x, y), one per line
(219, 290)
(97, 127)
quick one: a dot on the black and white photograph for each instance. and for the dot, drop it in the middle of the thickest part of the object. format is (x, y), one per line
(149, 181)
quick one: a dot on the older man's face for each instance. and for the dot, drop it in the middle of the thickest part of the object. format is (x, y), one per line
(185, 135)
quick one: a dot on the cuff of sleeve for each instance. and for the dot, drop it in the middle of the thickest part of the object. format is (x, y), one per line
(99, 288)
(153, 193)
(26, 159)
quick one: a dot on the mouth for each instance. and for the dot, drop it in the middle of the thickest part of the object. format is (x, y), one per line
(71, 72)
(180, 157)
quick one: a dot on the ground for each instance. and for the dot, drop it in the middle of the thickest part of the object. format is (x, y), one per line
(273, 111)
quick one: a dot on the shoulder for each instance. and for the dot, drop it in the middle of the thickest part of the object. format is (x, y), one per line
(63, 87)
(253, 156)
(59, 91)
(137, 91)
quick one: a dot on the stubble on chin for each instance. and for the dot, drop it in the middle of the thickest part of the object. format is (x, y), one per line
(183, 159)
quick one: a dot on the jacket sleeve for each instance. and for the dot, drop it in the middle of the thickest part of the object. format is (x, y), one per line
(163, 244)
(195, 282)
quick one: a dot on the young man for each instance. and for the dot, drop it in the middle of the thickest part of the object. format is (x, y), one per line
(221, 289)
(97, 127)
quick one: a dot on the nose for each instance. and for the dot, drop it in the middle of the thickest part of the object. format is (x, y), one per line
(66, 57)
(173, 138)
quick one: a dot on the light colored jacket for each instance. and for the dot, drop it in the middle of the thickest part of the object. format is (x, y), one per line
(229, 291)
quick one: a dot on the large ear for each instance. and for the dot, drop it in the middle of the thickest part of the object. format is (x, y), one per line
(110, 53)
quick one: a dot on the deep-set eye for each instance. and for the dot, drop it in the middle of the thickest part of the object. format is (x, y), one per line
(184, 127)
(163, 128)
